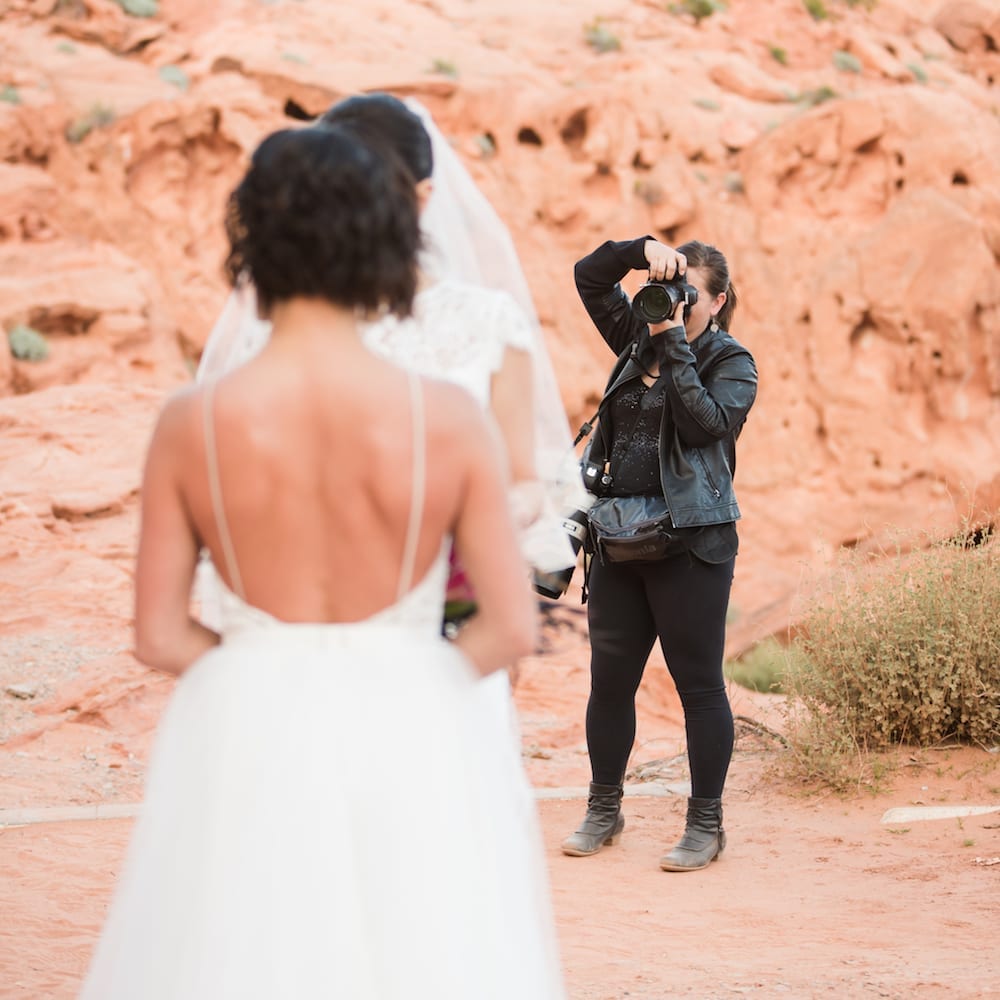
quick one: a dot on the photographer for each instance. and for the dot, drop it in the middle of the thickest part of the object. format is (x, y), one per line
(668, 430)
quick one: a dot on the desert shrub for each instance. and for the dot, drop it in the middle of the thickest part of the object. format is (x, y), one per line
(778, 54)
(761, 668)
(27, 344)
(816, 9)
(905, 649)
(600, 38)
(9, 94)
(97, 117)
(918, 71)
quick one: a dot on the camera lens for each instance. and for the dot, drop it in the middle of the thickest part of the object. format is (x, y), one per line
(655, 301)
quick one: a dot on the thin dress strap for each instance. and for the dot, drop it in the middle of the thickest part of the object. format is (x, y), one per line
(215, 490)
(418, 424)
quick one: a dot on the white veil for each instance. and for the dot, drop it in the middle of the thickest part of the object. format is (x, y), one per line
(466, 240)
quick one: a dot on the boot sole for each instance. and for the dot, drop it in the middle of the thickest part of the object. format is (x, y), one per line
(575, 852)
(668, 867)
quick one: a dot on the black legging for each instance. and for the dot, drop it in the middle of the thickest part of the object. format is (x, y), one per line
(683, 601)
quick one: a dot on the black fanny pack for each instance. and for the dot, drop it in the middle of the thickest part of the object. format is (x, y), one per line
(626, 528)
(635, 529)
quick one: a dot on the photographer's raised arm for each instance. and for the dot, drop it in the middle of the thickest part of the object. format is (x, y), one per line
(710, 408)
(598, 277)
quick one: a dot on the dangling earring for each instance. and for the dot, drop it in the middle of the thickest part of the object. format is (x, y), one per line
(714, 326)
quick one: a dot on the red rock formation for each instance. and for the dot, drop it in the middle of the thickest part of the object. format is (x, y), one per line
(846, 166)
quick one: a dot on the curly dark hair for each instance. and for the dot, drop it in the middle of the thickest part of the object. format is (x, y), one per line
(380, 118)
(321, 214)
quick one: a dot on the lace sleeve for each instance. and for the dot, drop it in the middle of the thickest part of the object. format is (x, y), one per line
(509, 326)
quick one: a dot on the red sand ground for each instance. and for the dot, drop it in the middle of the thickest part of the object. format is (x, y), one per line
(814, 897)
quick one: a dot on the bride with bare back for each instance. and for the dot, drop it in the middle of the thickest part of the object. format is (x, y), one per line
(322, 817)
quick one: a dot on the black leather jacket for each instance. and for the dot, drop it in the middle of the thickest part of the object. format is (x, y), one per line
(710, 386)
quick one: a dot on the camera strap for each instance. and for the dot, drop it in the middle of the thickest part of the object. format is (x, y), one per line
(620, 375)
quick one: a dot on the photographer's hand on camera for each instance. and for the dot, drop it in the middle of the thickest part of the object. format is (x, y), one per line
(664, 262)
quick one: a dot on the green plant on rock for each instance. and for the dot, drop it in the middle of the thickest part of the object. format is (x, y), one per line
(139, 8)
(819, 95)
(27, 344)
(904, 650)
(600, 38)
(651, 192)
(846, 62)
(698, 9)
(816, 9)
(9, 94)
(174, 75)
(733, 182)
(97, 117)
(486, 145)
(918, 71)
(445, 67)
(778, 54)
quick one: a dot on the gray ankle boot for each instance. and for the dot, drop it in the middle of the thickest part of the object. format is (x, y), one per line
(703, 840)
(602, 825)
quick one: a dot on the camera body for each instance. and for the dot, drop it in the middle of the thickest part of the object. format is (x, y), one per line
(554, 585)
(596, 479)
(656, 301)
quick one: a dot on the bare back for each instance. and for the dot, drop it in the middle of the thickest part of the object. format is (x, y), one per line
(316, 474)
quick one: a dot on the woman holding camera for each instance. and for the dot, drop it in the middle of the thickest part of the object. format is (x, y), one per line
(678, 399)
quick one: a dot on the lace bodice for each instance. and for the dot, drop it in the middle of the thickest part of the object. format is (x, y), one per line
(458, 332)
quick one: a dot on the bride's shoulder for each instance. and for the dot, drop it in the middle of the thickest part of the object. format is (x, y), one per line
(461, 436)
(452, 411)
(180, 408)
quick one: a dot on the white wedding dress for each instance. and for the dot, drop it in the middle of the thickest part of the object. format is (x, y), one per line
(326, 816)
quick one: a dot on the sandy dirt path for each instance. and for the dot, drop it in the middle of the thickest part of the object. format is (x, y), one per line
(814, 897)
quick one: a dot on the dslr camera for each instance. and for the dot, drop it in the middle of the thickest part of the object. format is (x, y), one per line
(656, 301)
